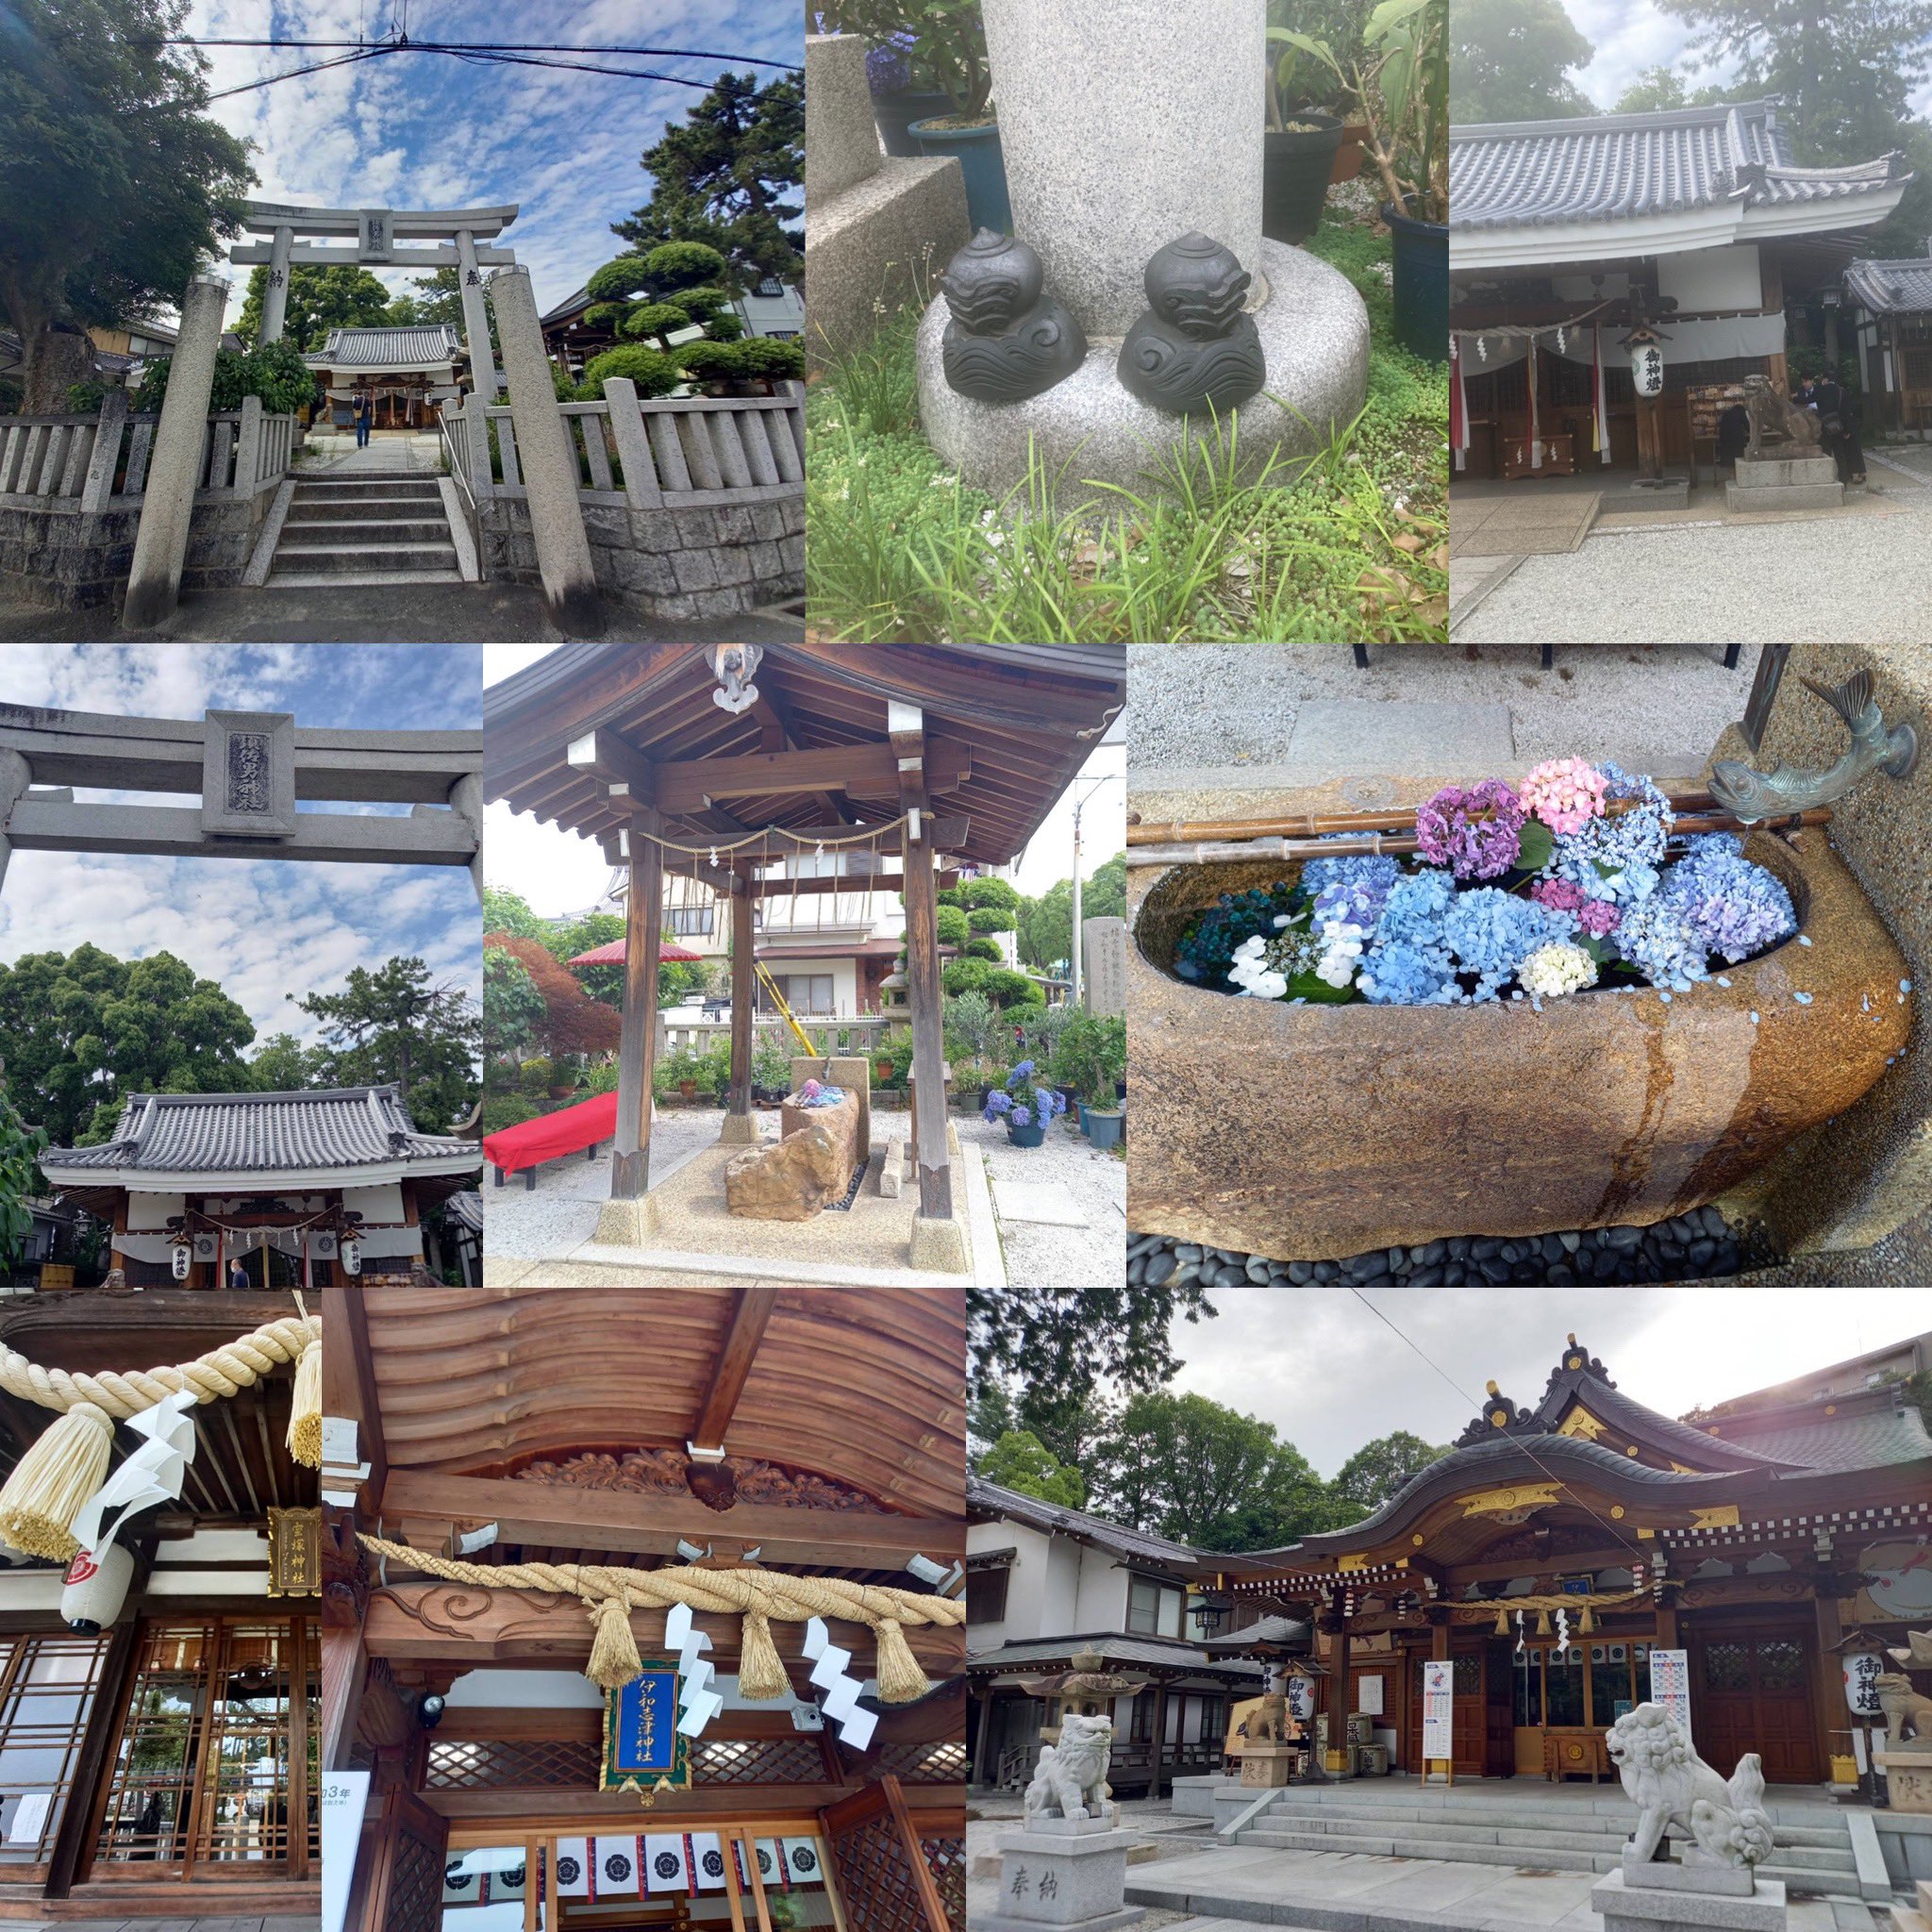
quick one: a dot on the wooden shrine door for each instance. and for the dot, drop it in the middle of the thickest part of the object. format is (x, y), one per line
(405, 1891)
(1499, 1708)
(1751, 1691)
(878, 1864)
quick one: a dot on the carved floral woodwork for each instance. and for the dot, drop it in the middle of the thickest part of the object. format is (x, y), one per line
(716, 1485)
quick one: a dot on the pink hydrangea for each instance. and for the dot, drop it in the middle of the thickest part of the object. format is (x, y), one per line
(1595, 916)
(1565, 793)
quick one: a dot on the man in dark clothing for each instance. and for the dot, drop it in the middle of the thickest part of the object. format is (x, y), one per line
(1838, 425)
(365, 416)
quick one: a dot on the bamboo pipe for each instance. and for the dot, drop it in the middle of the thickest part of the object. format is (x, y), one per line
(1230, 852)
(1312, 824)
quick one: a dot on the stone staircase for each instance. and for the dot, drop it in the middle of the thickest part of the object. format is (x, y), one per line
(1505, 1825)
(382, 526)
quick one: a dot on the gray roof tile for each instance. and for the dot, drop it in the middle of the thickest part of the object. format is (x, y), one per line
(1872, 1441)
(1616, 167)
(415, 347)
(259, 1133)
(1134, 1545)
(1159, 1653)
(1892, 288)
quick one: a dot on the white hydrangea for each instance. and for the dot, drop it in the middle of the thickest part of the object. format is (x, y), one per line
(1553, 969)
(1255, 978)
(1342, 951)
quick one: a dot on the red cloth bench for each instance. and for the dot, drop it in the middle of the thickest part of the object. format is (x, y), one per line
(550, 1136)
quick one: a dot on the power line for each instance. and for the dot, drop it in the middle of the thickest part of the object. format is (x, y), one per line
(483, 47)
(249, 87)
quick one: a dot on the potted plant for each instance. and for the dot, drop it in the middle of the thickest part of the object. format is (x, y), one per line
(1025, 1108)
(949, 52)
(1299, 145)
(1093, 1058)
(896, 103)
(1399, 87)
(683, 1070)
(771, 1070)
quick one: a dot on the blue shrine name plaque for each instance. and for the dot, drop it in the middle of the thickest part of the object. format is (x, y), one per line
(643, 1727)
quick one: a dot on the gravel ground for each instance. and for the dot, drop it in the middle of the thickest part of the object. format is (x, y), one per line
(1040, 1255)
(1915, 457)
(1649, 707)
(562, 1213)
(1814, 582)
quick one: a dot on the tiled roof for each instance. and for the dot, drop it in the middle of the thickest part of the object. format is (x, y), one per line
(1892, 288)
(1263, 1630)
(1134, 1545)
(1863, 1434)
(419, 346)
(1155, 1653)
(466, 1210)
(1620, 167)
(260, 1133)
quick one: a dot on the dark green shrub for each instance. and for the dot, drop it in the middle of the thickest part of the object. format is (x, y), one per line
(953, 928)
(982, 947)
(655, 319)
(991, 919)
(680, 265)
(85, 399)
(502, 1110)
(654, 372)
(710, 362)
(775, 361)
(623, 280)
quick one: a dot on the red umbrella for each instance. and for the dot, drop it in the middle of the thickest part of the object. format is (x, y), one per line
(612, 955)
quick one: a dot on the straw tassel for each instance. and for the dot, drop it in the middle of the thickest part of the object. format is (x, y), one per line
(1587, 1623)
(614, 1659)
(305, 1422)
(1502, 1623)
(52, 1479)
(900, 1679)
(761, 1671)
(1543, 1624)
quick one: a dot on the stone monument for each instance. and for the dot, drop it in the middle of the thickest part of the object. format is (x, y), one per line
(1725, 1830)
(1906, 1760)
(879, 226)
(1067, 1866)
(1104, 964)
(1119, 147)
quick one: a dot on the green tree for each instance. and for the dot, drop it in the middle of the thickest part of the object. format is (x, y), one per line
(439, 297)
(513, 1010)
(1654, 90)
(1019, 1461)
(1378, 1469)
(19, 1147)
(114, 185)
(655, 373)
(392, 1025)
(282, 1065)
(1045, 925)
(727, 176)
(510, 912)
(1510, 60)
(320, 299)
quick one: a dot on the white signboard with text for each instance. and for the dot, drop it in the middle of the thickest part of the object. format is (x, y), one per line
(1439, 1710)
(1368, 1696)
(344, 1797)
(1670, 1683)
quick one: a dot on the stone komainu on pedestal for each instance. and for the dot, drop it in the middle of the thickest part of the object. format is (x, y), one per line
(1196, 346)
(1006, 340)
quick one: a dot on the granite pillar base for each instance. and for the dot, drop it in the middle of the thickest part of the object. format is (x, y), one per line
(1651, 1907)
(1267, 1767)
(1066, 1872)
(1792, 482)
(1089, 431)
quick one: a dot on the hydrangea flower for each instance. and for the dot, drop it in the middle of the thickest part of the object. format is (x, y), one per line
(1355, 902)
(1657, 937)
(1492, 933)
(1396, 972)
(1595, 916)
(1557, 969)
(1414, 909)
(1565, 793)
(1342, 950)
(1376, 869)
(1021, 1072)
(1263, 967)
(1618, 856)
(1023, 1117)
(1476, 832)
(1735, 907)
(997, 1103)
(1204, 955)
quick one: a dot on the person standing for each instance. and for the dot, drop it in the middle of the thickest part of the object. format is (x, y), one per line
(1838, 425)
(365, 417)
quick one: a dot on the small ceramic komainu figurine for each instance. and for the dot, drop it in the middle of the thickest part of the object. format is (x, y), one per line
(1007, 340)
(1197, 345)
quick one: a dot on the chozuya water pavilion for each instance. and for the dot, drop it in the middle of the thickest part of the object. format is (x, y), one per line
(645, 1609)
(159, 1647)
(1556, 1550)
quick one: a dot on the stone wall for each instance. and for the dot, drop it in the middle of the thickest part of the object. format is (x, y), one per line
(679, 565)
(1868, 1173)
(75, 559)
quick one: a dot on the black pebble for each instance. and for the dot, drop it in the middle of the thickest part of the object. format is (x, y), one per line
(1159, 1268)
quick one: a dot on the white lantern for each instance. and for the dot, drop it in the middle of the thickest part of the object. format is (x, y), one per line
(96, 1589)
(352, 1256)
(180, 1261)
(1646, 364)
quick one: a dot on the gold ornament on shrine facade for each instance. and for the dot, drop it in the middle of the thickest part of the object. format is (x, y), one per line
(294, 1552)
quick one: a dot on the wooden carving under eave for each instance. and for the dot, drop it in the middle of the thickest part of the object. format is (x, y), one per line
(294, 1552)
(716, 1485)
(344, 1576)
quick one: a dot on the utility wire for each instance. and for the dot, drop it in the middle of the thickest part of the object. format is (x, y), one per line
(294, 72)
(483, 48)
(475, 55)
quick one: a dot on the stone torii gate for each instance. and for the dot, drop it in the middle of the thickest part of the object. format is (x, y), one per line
(455, 233)
(249, 768)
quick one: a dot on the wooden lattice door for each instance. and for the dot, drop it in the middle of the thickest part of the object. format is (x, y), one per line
(1751, 1691)
(880, 1869)
(411, 1849)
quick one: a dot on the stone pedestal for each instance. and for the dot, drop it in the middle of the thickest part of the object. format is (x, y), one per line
(852, 1072)
(1065, 1872)
(879, 228)
(1117, 144)
(1686, 1903)
(840, 1121)
(1907, 1769)
(1266, 1767)
(1793, 482)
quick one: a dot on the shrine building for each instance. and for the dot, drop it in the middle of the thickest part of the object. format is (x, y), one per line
(1555, 1547)
(159, 1682)
(572, 1536)
(409, 372)
(288, 1186)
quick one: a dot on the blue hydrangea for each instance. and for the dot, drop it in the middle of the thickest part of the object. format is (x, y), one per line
(1657, 937)
(1490, 933)
(1353, 902)
(1618, 856)
(1398, 974)
(1735, 907)
(1376, 870)
(1412, 913)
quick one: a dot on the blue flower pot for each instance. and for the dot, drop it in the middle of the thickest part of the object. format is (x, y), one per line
(1421, 283)
(1103, 1127)
(895, 113)
(984, 164)
(1025, 1136)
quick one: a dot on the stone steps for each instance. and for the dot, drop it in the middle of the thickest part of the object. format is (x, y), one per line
(351, 580)
(331, 508)
(305, 533)
(372, 526)
(1611, 1826)
(1362, 1915)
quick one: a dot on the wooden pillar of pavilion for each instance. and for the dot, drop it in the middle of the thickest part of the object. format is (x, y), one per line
(1335, 1695)
(1156, 1765)
(922, 994)
(739, 1125)
(637, 1042)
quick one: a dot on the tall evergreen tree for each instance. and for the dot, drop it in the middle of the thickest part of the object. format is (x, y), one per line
(320, 299)
(392, 1025)
(725, 177)
(1511, 59)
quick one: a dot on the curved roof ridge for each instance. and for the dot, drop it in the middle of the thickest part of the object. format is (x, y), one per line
(1714, 114)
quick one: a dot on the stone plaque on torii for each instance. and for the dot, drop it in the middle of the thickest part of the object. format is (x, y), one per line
(454, 235)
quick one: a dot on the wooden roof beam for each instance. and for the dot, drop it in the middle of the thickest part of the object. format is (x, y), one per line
(349, 1385)
(866, 770)
(750, 1315)
(627, 777)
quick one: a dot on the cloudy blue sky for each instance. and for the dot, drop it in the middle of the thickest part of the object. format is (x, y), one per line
(262, 930)
(426, 130)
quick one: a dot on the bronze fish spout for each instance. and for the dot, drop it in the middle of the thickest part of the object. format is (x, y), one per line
(1753, 795)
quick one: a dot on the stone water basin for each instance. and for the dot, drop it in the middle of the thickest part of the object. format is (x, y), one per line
(1305, 1132)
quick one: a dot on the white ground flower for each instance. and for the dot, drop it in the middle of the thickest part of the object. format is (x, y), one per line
(1343, 951)
(1557, 969)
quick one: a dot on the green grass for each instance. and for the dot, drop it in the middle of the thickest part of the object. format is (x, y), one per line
(1354, 546)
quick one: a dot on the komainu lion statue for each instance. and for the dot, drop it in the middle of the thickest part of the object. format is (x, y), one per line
(1268, 1722)
(1903, 1706)
(1676, 1791)
(1775, 419)
(1071, 1778)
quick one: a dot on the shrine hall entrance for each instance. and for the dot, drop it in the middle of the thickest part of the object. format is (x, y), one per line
(1751, 1691)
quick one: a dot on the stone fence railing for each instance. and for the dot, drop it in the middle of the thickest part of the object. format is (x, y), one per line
(687, 1028)
(89, 463)
(672, 453)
